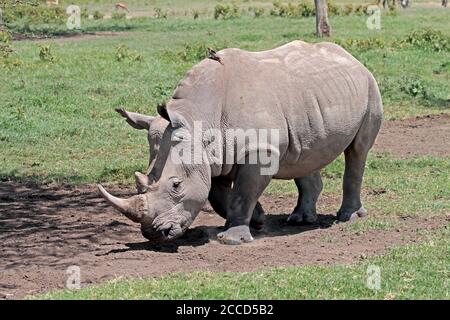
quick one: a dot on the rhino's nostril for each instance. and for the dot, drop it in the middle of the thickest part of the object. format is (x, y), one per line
(165, 232)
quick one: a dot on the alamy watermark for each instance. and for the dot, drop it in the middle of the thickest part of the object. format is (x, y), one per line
(373, 22)
(74, 20)
(373, 280)
(231, 146)
(73, 281)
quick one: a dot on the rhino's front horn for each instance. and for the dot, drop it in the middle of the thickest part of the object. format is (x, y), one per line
(133, 208)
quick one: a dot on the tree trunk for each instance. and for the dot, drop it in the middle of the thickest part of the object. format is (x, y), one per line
(323, 27)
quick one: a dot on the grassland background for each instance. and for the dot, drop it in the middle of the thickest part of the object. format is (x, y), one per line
(57, 124)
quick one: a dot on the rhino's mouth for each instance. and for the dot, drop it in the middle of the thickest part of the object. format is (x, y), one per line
(171, 231)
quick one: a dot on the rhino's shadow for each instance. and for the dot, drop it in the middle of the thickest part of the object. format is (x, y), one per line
(275, 226)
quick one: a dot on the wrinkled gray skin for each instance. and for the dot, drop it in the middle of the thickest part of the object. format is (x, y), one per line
(159, 146)
(322, 101)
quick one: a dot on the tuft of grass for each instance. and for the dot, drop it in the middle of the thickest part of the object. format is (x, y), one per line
(123, 53)
(46, 54)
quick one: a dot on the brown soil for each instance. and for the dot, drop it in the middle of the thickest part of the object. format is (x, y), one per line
(428, 135)
(66, 37)
(45, 229)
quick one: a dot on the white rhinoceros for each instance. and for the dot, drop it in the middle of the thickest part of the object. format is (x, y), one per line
(318, 98)
(159, 146)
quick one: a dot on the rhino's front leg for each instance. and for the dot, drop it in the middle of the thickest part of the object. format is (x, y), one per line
(220, 195)
(248, 186)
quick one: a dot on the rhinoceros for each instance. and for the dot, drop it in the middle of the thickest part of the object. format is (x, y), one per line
(318, 97)
(159, 146)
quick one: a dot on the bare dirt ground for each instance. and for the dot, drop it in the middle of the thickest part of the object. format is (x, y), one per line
(67, 37)
(45, 228)
(427, 135)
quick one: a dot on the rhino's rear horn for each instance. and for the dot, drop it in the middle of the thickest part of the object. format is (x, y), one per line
(136, 120)
(133, 208)
(142, 181)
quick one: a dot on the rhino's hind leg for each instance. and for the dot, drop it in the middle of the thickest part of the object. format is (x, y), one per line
(247, 188)
(219, 196)
(309, 189)
(351, 206)
(355, 161)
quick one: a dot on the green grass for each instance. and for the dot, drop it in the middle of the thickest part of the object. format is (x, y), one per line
(419, 271)
(57, 121)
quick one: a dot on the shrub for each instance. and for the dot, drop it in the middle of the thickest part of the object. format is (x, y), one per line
(348, 9)
(226, 11)
(160, 13)
(427, 39)
(35, 15)
(124, 53)
(361, 9)
(302, 9)
(118, 15)
(281, 10)
(97, 15)
(414, 87)
(45, 54)
(444, 67)
(195, 14)
(392, 11)
(333, 9)
(257, 11)
(361, 44)
(5, 44)
(307, 9)
(84, 13)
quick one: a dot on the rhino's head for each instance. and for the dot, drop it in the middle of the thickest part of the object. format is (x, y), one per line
(174, 195)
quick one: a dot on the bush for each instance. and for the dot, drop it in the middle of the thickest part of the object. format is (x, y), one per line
(348, 9)
(45, 54)
(257, 11)
(195, 14)
(361, 44)
(97, 15)
(84, 14)
(226, 11)
(392, 11)
(414, 87)
(124, 53)
(160, 13)
(333, 9)
(307, 9)
(427, 39)
(5, 44)
(282, 10)
(361, 9)
(35, 15)
(302, 9)
(118, 15)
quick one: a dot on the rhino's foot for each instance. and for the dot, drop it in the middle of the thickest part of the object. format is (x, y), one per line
(302, 218)
(235, 235)
(344, 216)
(258, 217)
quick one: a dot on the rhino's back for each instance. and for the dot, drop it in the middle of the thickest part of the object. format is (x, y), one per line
(315, 94)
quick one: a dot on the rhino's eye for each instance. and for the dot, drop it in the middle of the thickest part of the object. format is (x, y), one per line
(176, 184)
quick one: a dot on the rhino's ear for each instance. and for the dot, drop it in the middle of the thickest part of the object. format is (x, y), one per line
(162, 111)
(136, 120)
